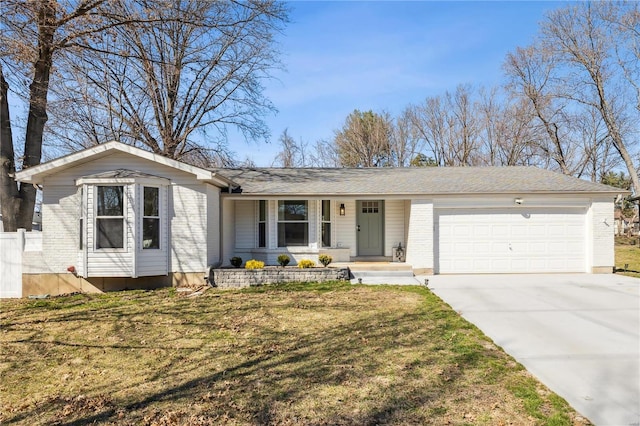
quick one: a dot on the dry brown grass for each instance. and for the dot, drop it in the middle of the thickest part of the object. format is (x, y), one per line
(294, 354)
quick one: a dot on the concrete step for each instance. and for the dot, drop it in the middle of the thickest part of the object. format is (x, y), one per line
(385, 273)
(386, 279)
(376, 266)
(389, 273)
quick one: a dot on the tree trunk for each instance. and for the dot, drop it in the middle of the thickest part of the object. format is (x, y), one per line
(23, 204)
(9, 197)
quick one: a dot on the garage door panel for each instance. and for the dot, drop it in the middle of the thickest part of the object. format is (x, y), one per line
(501, 247)
(537, 263)
(463, 249)
(537, 230)
(558, 247)
(574, 247)
(538, 247)
(508, 241)
(482, 230)
(518, 265)
(481, 247)
(461, 230)
(499, 231)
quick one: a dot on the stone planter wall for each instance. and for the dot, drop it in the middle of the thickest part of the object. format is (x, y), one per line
(238, 277)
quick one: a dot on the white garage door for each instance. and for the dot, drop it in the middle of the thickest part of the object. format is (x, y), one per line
(511, 241)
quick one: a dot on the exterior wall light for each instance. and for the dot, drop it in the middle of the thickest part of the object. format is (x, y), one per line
(342, 210)
(518, 201)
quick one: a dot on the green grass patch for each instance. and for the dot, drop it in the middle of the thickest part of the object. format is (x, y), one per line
(628, 255)
(298, 353)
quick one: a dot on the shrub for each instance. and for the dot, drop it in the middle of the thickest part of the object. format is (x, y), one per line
(236, 261)
(306, 263)
(254, 264)
(283, 260)
(325, 259)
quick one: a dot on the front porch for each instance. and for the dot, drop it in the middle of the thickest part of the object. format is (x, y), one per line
(348, 230)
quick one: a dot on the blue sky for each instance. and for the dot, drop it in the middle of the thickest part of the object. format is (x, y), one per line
(340, 56)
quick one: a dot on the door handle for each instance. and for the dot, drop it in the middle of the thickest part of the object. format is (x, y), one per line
(358, 227)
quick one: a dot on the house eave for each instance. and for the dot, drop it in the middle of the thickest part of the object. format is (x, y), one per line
(37, 174)
(404, 196)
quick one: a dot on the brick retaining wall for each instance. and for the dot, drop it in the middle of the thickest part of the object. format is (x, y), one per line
(237, 277)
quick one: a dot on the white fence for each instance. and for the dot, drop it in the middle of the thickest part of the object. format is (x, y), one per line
(12, 245)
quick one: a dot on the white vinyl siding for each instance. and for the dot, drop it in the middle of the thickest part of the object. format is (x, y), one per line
(188, 226)
(345, 227)
(511, 240)
(314, 224)
(151, 262)
(120, 160)
(393, 225)
(213, 225)
(246, 224)
(272, 224)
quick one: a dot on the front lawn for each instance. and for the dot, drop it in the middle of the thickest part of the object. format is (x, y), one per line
(627, 254)
(293, 354)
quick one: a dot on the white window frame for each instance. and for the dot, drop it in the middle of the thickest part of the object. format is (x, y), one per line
(265, 221)
(97, 217)
(306, 221)
(158, 217)
(324, 221)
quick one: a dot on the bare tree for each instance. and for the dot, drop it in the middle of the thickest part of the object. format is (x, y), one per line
(597, 146)
(147, 72)
(32, 35)
(364, 140)
(406, 142)
(291, 154)
(449, 127)
(506, 133)
(585, 44)
(324, 153)
(531, 73)
(177, 85)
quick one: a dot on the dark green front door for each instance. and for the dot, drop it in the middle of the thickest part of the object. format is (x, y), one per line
(370, 227)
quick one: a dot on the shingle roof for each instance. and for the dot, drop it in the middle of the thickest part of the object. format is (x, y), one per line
(414, 180)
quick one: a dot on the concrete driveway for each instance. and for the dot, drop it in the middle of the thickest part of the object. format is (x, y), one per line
(579, 333)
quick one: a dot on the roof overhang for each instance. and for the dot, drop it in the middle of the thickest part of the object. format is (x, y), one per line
(37, 174)
(408, 196)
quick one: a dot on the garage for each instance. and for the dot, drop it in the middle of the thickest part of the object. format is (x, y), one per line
(515, 240)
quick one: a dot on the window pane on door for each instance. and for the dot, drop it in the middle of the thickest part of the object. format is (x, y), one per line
(150, 233)
(151, 201)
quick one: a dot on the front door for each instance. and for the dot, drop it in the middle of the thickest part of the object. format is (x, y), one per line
(370, 228)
